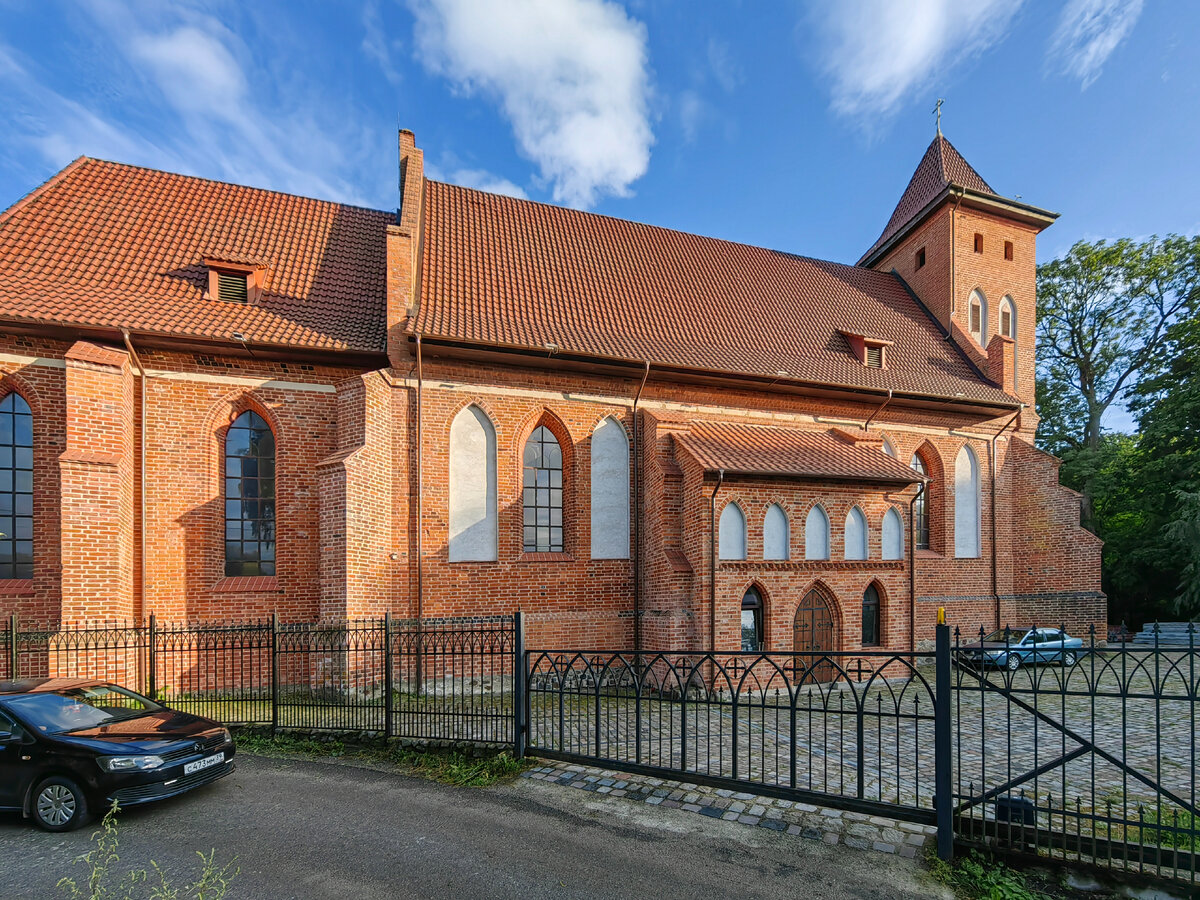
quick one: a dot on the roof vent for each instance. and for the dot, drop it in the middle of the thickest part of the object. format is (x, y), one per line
(870, 351)
(231, 286)
(874, 356)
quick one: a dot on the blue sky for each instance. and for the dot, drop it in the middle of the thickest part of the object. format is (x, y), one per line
(790, 125)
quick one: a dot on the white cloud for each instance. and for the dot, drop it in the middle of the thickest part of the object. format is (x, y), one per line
(376, 43)
(570, 75)
(879, 53)
(692, 113)
(1088, 32)
(725, 70)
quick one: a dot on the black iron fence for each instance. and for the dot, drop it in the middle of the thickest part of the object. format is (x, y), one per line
(444, 680)
(1082, 752)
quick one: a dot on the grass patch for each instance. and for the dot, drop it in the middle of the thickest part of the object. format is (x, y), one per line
(975, 876)
(449, 767)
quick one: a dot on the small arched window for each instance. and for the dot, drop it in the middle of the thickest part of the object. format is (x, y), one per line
(16, 487)
(966, 504)
(888, 449)
(816, 534)
(752, 621)
(775, 533)
(921, 505)
(856, 534)
(892, 535)
(1008, 318)
(870, 617)
(543, 492)
(249, 496)
(731, 541)
(978, 317)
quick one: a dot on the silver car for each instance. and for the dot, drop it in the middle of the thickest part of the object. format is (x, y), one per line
(1012, 648)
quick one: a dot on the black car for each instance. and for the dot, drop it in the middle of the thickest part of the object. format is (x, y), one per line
(68, 746)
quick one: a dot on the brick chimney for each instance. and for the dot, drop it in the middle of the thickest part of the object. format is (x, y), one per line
(403, 248)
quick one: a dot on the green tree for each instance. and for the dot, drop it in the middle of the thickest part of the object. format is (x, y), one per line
(1103, 313)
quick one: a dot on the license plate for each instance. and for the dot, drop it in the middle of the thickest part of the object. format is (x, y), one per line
(201, 764)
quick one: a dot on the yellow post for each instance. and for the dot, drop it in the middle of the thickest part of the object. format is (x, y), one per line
(941, 615)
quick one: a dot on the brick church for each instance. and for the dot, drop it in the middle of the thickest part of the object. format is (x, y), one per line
(217, 402)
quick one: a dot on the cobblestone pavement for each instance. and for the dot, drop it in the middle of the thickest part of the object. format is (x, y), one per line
(803, 820)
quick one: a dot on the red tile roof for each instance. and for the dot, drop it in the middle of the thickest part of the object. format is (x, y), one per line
(502, 271)
(940, 167)
(770, 451)
(109, 245)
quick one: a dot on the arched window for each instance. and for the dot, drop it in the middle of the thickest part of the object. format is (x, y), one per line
(977, 312)
(888, 449)
(870, 617)
(473, 518)
(731, 542)
(249, 496)
(543, 486)
(610, 491)
(966, 504)
(752, 621)
(816, 534)
(1008, 318)
(892, 535)
(920, 510)
(856, 534)
(16, 487)
(775, 533)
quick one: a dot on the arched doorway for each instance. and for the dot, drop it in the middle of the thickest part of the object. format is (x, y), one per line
(814, 633)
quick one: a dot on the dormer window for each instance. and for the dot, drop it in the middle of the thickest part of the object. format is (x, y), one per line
(234, 282)
(870, 351)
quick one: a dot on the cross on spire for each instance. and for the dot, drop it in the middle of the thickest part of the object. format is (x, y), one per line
(938, 111)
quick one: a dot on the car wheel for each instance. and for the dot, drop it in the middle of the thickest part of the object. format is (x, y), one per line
(1068, 659)
(59, 804)
(1012, 662)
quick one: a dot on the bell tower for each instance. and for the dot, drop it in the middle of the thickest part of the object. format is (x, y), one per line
(970, 256)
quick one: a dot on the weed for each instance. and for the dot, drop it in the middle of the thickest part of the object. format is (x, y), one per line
(212, 884)
(977, 877)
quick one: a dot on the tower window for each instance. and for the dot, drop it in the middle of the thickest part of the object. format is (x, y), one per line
(1008, 250)
(921, 258)
(978, 243)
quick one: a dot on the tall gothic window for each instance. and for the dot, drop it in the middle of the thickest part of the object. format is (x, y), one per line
(977, 312)
(920, 508)
(752, 621)
(870, 617)
(249, 497)
(543, 489)
(16, 487)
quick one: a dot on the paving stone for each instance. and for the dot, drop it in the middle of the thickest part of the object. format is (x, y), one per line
(772, 824)
(603, 789)
(917, 840)
(654, 801)
(607, 782)
(883, 847)
(749, 820)
(737, 807)
(831, 837)
(832, 813)
(742, 795)
(806, 807)
(758, 810)
(722, 792)
(691, 807)
(858, 843)
(908, 851)
(882, 822)
(774, 813)
(794, 829)
(813, 834)
(862, 830)
(712, 812)
(671, 804)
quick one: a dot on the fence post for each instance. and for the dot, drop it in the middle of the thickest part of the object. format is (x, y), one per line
(942, 743)
(519, 690)
(388, 726)
(152, 644)
(274, 672)
(12, 647)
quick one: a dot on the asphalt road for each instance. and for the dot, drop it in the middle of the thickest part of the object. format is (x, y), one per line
(318, 830)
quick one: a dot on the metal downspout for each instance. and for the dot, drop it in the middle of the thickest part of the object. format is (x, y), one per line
(992, 467)
(867, 424)
(637, 518)
(712, 563)
(420, 523)
(912, 569)
(141, 476)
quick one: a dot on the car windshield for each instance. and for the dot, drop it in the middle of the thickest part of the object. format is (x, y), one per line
(74, 709)
(1005, 636)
